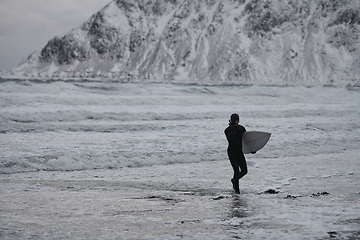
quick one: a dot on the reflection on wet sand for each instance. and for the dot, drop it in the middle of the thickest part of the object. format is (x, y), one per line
(238, 207)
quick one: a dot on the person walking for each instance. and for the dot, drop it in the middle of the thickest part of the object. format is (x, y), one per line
(234, 133)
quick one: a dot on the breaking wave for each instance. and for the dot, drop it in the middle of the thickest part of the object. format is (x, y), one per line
(71, 125)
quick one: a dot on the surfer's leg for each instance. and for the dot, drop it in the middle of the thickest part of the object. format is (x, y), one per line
(242, 165)
(235, 165)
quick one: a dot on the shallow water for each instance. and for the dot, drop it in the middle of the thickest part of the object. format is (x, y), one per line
(314, 197)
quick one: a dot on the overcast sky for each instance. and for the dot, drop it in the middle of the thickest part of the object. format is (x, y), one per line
(27, 25)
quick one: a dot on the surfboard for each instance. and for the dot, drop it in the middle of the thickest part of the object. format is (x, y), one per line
(253, 141)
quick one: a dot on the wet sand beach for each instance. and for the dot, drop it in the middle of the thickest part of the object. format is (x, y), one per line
(285, 198)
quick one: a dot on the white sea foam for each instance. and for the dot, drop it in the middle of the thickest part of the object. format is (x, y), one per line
(58, 125)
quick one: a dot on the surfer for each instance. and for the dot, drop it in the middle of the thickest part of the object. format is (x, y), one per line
(234, 133)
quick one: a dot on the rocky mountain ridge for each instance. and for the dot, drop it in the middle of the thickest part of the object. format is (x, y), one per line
(297, 42)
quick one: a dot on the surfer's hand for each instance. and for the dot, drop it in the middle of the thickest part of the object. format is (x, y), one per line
(253, 152)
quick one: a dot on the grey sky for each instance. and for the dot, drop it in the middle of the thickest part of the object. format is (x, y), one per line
(27, 25)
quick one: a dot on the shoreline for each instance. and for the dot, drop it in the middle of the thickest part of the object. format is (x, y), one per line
(317, 197)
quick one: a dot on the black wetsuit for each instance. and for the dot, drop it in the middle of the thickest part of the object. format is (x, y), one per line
(234, 135)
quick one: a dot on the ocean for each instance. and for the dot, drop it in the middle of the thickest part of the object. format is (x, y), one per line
(118, 160)
(67, 125)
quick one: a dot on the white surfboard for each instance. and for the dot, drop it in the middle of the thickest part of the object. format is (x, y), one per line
(253, 141)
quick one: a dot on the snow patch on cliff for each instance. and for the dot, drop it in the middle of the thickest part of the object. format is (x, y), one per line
(232, 42)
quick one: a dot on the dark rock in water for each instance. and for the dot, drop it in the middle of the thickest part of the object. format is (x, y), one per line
(290, 197)
(271, 191)
(332, 234)
(219, 198)
(320, 194)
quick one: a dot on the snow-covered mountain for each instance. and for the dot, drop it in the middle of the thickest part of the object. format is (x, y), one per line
(306, 42)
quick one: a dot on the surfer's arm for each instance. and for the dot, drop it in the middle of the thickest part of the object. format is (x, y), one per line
(244, 129)
(230, 133)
